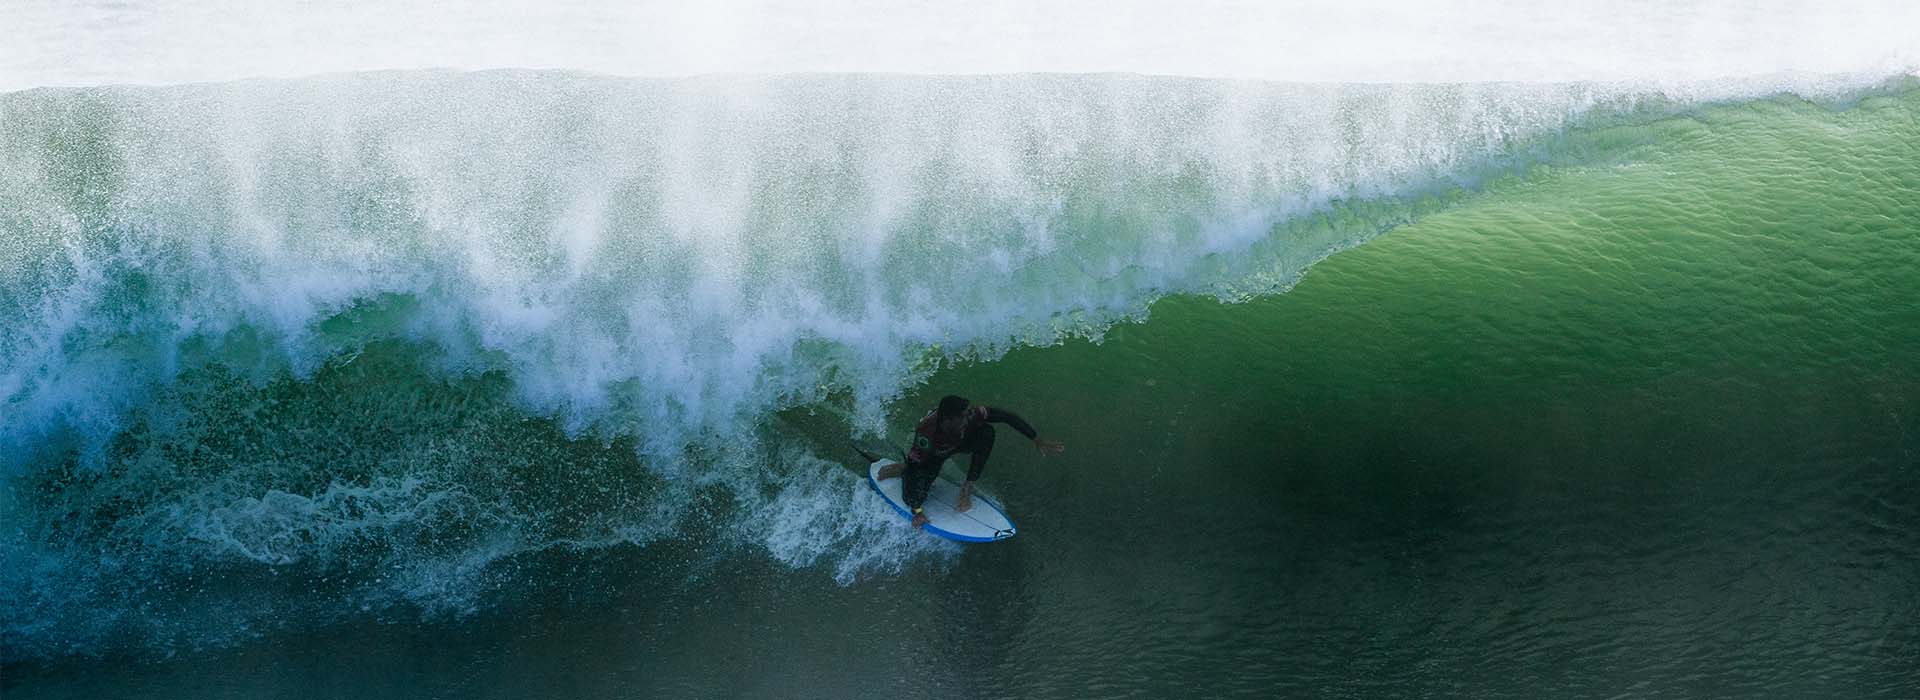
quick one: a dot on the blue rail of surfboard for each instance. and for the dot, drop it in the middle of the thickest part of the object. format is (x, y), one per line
(1010, 531)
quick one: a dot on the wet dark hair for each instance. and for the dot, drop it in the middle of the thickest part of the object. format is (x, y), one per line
(952, 406)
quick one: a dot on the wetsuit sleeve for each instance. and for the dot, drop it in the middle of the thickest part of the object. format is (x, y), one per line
(995, 415)
(980, 446)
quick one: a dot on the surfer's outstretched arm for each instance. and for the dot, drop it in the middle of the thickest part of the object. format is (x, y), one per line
(1047, 447)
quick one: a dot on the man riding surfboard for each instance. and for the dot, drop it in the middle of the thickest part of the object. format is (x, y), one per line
(953, 427)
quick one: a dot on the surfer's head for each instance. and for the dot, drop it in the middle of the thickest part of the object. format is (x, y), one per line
(952, 413)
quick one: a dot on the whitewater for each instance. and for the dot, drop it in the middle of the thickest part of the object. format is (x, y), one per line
(374, 318)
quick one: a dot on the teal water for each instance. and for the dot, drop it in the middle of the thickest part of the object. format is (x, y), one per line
(1619, 402)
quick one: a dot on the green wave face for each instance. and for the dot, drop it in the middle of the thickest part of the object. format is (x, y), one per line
(1769, 244)
(1651, 423)
(335, 374)
(1747, 261)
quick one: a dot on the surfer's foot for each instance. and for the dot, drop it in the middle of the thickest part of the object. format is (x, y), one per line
(965, 504)
(890, 471)
(919, 520)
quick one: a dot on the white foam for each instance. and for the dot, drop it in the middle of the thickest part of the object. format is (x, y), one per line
(677, 259)
(822, 513)
(280, 527)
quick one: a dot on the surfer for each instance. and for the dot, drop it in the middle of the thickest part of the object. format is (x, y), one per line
(955, 426)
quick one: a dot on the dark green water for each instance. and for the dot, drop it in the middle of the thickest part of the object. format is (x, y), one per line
(1648, 428)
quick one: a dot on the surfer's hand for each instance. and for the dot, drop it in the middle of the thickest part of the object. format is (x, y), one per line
(919, 519)
(1049, 447)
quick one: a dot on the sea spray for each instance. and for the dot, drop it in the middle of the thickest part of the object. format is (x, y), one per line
(677, 258)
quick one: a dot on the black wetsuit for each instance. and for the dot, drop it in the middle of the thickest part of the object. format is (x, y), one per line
(931, 448)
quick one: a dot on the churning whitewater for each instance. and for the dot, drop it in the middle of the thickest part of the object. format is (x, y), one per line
(259, 334)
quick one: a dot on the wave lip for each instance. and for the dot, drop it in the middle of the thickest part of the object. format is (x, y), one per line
(680, 256)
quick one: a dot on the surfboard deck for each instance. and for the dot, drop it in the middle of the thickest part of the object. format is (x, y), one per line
(984, 522)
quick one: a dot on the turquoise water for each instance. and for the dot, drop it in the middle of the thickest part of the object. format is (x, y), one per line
(324, 384)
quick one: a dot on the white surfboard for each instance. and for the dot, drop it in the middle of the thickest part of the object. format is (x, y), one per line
(984, 522)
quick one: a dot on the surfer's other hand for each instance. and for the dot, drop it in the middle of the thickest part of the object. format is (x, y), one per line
(1049, 447)
(919, 519)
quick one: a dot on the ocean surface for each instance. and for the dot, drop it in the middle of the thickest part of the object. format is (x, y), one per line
(541, 384)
